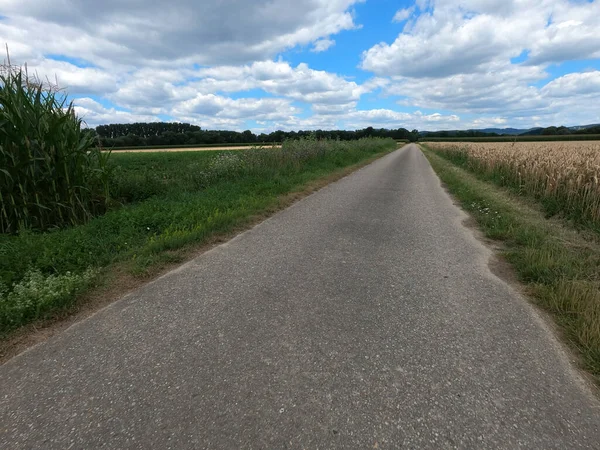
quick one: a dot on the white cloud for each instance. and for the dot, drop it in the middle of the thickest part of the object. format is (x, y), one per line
(177, 33)
(211, 105)
(74, 79)
(211, 63)
(300, 83)
(500, 87)
(507, 97)
(582, 84)
(456, 56)
(148, 89)
(403, 14)
(573, 34)
(488, 122)
(93, 113)
(443, 46)
(359, 119)
(463, 36)
(386, 118)
(573, 99)
(212, 112)
(322, 45)
(172, 92)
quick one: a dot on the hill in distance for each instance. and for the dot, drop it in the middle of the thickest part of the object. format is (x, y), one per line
(509, 131)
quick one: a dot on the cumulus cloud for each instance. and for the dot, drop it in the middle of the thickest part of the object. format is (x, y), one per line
(394, 119)
(457, 56)
(209, 111)
(93, 113)
(572, 34)
(455, 37)
(499, 88)
(322, 45)
(171, 92)
(225, 107)
(507, 97)
(403, 14)
(359, 119)
(180, 31)
(300, 83)
(216, 64)
(443, 46)
(574, 84)
(79, 80)
(573, 98)
(325, 93)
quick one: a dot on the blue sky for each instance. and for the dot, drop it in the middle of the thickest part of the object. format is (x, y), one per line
(309, 64)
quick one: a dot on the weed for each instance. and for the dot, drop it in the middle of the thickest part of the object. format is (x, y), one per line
(36, 294)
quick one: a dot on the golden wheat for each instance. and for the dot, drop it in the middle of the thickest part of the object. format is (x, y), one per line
(563, 174)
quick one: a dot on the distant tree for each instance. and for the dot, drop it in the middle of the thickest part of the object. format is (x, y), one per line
(590, 130)
(162, 133)
(248, 136)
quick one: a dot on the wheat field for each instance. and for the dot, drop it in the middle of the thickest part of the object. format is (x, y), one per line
(565, 176)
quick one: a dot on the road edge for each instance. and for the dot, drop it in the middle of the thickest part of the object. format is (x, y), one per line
(500, 267)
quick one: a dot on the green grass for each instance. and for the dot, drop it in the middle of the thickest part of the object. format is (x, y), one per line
(559, 265)
(138, 176)
(167, 202)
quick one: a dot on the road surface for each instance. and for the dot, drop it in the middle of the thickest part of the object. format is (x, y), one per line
(365, 316)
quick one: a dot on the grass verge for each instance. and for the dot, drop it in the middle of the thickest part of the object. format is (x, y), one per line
(558, 265)
(187, 223)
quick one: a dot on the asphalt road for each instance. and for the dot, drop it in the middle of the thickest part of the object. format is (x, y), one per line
(365, 316)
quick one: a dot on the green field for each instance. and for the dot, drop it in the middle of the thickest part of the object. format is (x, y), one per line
(207, 146)
(160, 203)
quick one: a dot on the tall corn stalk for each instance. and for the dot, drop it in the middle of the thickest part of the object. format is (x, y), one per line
(51, 172)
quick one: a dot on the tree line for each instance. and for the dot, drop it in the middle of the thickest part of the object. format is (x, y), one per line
(563, 131)
(168, 134)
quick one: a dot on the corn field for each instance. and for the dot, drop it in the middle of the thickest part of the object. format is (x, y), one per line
(50, 173)
(564, 176)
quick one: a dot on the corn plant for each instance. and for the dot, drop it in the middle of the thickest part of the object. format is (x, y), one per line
(51, 172)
